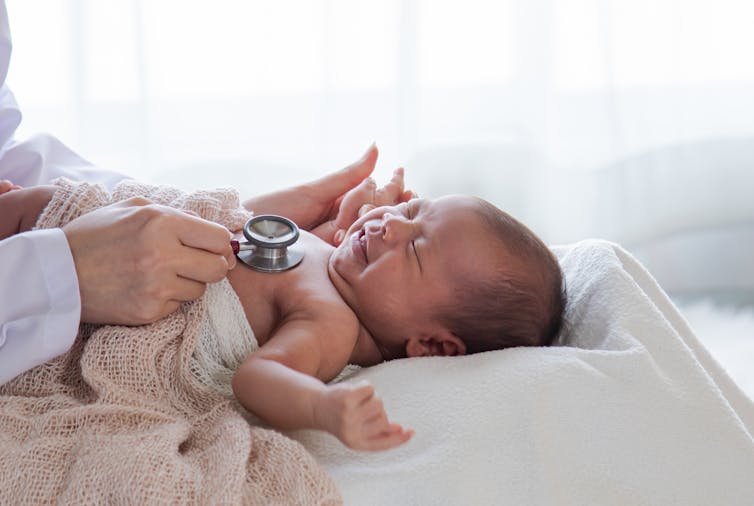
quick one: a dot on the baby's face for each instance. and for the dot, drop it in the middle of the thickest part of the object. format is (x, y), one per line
(397, 263)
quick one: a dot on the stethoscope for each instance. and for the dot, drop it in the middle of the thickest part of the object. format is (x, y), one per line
(268, 239)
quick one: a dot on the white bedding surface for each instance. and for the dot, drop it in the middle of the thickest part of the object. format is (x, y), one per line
(728, 333)
(629, 409)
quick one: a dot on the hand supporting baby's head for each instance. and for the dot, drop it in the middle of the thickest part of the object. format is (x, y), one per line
(448, 276)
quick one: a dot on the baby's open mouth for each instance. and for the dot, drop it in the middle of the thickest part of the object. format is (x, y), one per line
(363, 244)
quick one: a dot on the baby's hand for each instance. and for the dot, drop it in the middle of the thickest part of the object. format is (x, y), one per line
(363, 198)
(355, 415)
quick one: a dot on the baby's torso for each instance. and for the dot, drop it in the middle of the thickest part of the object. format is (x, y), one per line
(304, 292)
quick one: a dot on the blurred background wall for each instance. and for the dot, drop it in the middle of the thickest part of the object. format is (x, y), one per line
(631, 120)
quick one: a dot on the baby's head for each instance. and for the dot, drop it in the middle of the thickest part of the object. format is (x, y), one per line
(448, 276)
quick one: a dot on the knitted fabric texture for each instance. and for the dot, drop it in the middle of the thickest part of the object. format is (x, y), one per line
(122, 418)
(225, 339)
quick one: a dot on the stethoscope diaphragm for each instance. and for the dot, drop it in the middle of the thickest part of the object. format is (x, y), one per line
(267, 248)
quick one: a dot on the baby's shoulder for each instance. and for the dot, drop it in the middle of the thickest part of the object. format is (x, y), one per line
(311, 295)
(321, 304)
(318, 317)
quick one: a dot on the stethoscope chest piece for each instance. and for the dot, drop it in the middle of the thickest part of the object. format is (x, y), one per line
(267, 250)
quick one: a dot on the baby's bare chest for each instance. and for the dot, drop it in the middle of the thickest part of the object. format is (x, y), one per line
(305, 291)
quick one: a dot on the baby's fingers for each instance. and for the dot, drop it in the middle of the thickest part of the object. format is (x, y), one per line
(408, 195)
(373, 412)
(394, 436)
(361, 392)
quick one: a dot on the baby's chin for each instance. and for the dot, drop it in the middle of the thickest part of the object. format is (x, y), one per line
(333, 268)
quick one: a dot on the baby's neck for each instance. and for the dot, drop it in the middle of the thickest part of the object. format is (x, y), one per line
(365, 353)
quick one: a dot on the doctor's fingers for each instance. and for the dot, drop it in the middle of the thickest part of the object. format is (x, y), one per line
(199, 233)
(166, 239)
(152, 302)
(158, 224)
(184, 290)
(391, 193)
(354, 200)
(330, 189)
(354, 173)
(6, 186)
(167, 227)
(199, 265)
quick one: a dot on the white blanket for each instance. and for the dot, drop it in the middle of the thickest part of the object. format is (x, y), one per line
(630, 408)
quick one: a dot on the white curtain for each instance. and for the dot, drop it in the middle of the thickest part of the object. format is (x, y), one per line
(625, 119)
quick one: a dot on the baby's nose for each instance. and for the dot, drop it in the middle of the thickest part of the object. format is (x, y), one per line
(395, 227)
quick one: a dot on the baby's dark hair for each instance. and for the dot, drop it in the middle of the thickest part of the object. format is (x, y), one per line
(509, 307)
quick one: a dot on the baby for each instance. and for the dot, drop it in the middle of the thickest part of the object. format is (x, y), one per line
(422, 277)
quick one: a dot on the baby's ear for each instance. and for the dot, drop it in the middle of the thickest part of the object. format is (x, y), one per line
(441, 344)
(416, 347)
(453, 345)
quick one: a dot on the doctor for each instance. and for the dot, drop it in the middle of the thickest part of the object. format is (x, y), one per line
(52, 280)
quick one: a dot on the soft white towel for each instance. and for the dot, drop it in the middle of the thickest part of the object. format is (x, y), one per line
(630, 408)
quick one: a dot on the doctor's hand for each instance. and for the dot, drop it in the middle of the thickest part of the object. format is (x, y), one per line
(20, 207)
(362, 199)
(6, 186)
(317, 202)
(136, 261)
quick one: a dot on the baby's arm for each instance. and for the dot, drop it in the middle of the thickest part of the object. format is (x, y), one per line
(364, 197)
(280, 384)
(20, 207)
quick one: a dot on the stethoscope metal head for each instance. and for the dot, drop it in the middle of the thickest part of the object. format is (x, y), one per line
(267, 250)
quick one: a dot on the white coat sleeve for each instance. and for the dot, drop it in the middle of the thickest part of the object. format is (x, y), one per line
(40, 306)
(42, 158)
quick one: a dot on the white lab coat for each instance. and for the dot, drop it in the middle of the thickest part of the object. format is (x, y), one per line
(40, 307)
